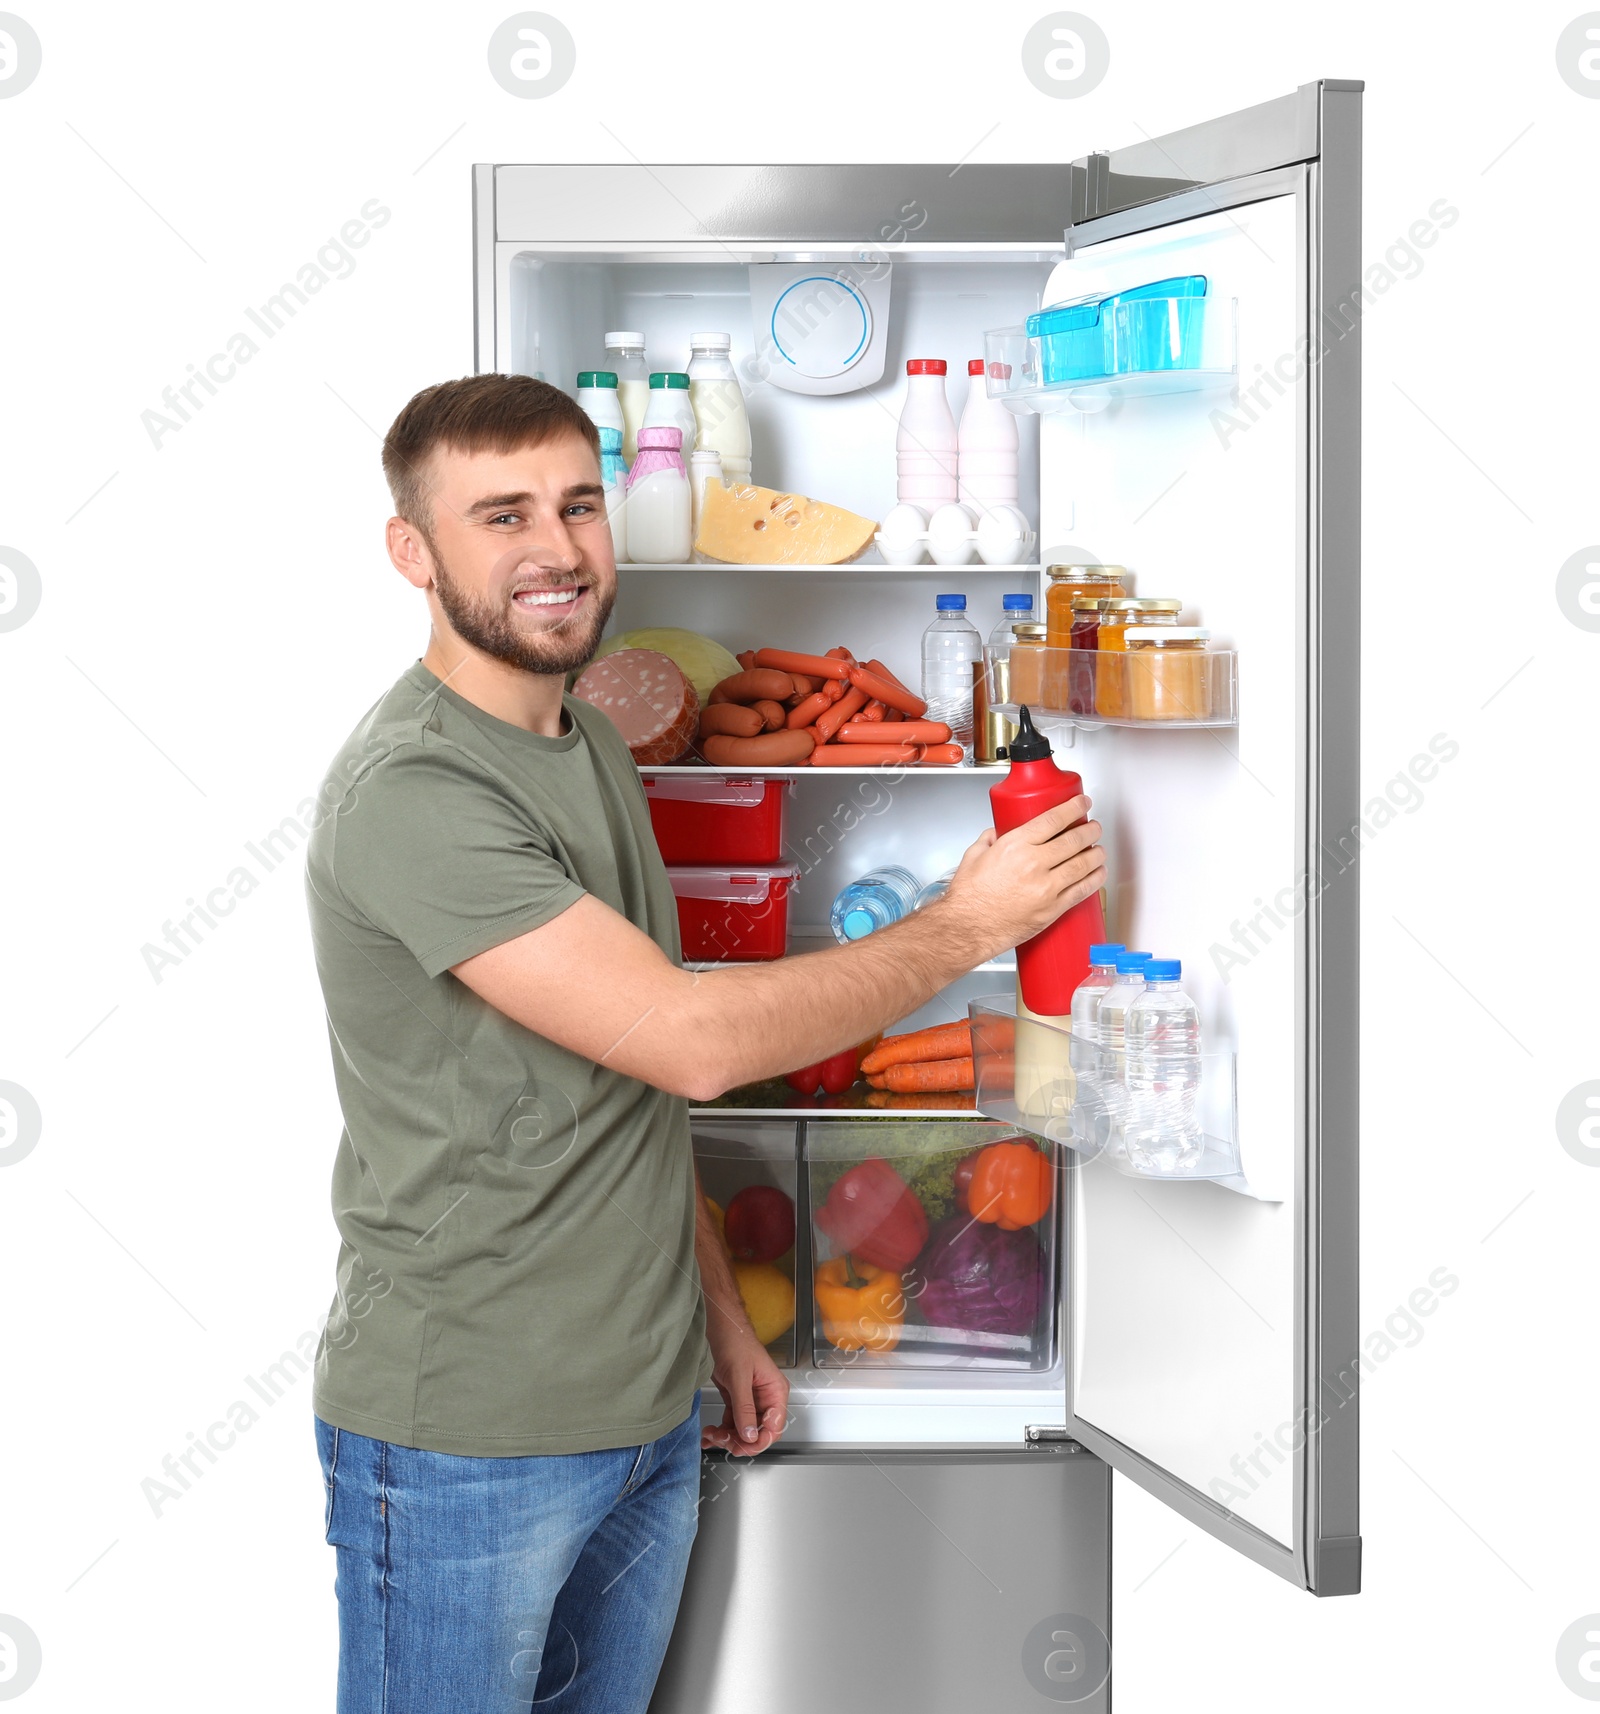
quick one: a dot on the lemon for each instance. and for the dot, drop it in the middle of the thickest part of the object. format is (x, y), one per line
(768, 1295)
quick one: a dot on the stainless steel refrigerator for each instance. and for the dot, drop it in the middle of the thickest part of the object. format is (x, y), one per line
(935, 1531)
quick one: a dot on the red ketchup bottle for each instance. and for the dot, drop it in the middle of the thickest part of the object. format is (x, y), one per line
(1056, 960)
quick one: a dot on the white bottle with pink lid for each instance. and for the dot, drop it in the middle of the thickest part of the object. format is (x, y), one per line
(926, 445)
(987, 442)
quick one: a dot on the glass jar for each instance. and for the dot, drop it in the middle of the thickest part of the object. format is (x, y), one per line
(1027, 667)
(1116, 615)
(1084, 639)
(1169, 672)
(1066, 583)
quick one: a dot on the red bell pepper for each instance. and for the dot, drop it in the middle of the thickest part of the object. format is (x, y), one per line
(872, 1213)
(832, 1076)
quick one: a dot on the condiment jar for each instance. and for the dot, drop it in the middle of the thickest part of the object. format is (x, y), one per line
(1028, 656)
(1116, 615)
(1066, 583)
(1085, 637)
(1169, 672)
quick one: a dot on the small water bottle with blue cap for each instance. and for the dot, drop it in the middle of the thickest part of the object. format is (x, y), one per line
(951, 647)
(875, 900)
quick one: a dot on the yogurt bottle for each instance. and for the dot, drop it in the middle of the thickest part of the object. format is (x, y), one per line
(659, 507)
(625, 359)
(926, 443)
(669, 407)
(722, 423)
(597, 397)
(613, 478)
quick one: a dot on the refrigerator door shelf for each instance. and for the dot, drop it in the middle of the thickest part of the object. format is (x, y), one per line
(1039, 1077)
(1091, 687)
(1143, 348)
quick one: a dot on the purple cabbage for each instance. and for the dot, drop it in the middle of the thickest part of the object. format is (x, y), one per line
(976, 1277)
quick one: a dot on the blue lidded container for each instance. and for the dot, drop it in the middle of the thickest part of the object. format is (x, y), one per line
(1153, 326)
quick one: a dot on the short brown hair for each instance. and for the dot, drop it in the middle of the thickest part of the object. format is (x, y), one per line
(478, 413)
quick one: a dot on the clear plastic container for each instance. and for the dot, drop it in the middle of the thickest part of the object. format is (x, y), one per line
(949, 1289)
(876, 899)
(733, 916)
(951, 647)
(1116, 615)
(750, 1172)
(1102, 1093)
(935, 889)
(1161, 1129)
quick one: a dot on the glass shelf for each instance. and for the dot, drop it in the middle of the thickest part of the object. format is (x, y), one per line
(1146, 348)
(1093, 687)
(701, 771)
(774, 1098)
(852, 568)
(1037, 1076)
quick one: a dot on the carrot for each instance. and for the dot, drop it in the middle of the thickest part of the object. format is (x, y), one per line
(878, 1081)
(924, 1103)
(843, 711)
(864, 731)
(893, 695)
(865, 755)
(807, 709)
(941, 1041)
(930, 1075)
(818, 666)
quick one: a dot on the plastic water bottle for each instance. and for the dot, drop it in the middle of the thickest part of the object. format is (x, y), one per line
(1014, 610)
(875, 900)
(1161, 1129)
(1110, 1026)
(950, 647)
(1086, 998)
(935, 889)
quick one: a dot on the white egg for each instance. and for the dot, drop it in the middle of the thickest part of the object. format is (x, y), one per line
(950, 535)
(1003, 536)
(902, 535)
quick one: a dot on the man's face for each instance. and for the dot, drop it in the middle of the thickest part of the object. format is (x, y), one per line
(521, 552)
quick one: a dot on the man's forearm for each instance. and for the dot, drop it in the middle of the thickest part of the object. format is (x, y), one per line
(766, 1019)
(725, 1310)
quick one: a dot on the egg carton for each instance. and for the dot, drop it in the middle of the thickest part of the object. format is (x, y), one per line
(955, 535)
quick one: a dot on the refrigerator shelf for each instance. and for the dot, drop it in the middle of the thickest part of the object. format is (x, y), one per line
(1034, 1074)
(1144, 348)
(773, 1098)
(1093, 687)
(699, 770)
(851, 568)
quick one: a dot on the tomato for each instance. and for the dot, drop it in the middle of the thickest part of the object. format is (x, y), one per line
(806, 1080)
(838, 1073)
(760, 1223)
(963, 1181)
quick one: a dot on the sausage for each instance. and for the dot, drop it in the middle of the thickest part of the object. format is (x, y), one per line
(873, 712)
(845, 709)
(864, 731)
(807, 709)
(876, 666)
(865, 755)
(773, 713)
(804, 684)
(937, 755)
(769, 750)
(835, 688)
(730, 720)
(892, 716)
(839, 653)
(894, 695)
(818, 666)
(746, 658)
(753, 685)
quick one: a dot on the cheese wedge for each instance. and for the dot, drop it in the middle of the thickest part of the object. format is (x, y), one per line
(760, 526)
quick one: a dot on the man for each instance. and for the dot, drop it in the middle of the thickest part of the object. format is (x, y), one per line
(530, 1292)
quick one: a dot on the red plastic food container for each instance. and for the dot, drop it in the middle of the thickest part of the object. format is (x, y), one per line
(717, 820)
(728, 914)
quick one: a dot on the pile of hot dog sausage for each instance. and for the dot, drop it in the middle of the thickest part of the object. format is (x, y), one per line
(829, 711)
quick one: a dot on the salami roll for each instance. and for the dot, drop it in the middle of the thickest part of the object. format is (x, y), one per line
(647, 699)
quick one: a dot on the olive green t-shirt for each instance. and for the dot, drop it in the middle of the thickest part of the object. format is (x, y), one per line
(516, 1264)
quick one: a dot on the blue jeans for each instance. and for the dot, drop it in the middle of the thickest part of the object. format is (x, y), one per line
(503, 1585)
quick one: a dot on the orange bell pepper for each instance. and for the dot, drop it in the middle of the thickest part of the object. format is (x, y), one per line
(1012, 1185)
(862, 1307)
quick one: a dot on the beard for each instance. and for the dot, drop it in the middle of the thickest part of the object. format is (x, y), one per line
(494, 629)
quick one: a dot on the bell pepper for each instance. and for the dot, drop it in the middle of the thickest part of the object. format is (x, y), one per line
(862, 1307)
(961, 1184)
(832, 1075)
(873, 1213)
(1012, 1185)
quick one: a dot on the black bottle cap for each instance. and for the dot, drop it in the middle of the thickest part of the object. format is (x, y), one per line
(1028, 745)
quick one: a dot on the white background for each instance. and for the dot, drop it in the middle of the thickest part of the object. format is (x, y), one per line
(220, 611)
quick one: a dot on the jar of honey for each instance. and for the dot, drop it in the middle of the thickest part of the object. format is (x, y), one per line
(1066, 583)
(1116, 615)
(1028, 656)
(1169, 672)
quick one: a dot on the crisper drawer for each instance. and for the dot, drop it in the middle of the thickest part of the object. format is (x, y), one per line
(890, 1582)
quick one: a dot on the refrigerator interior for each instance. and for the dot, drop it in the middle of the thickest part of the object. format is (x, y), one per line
(1171, 1292)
